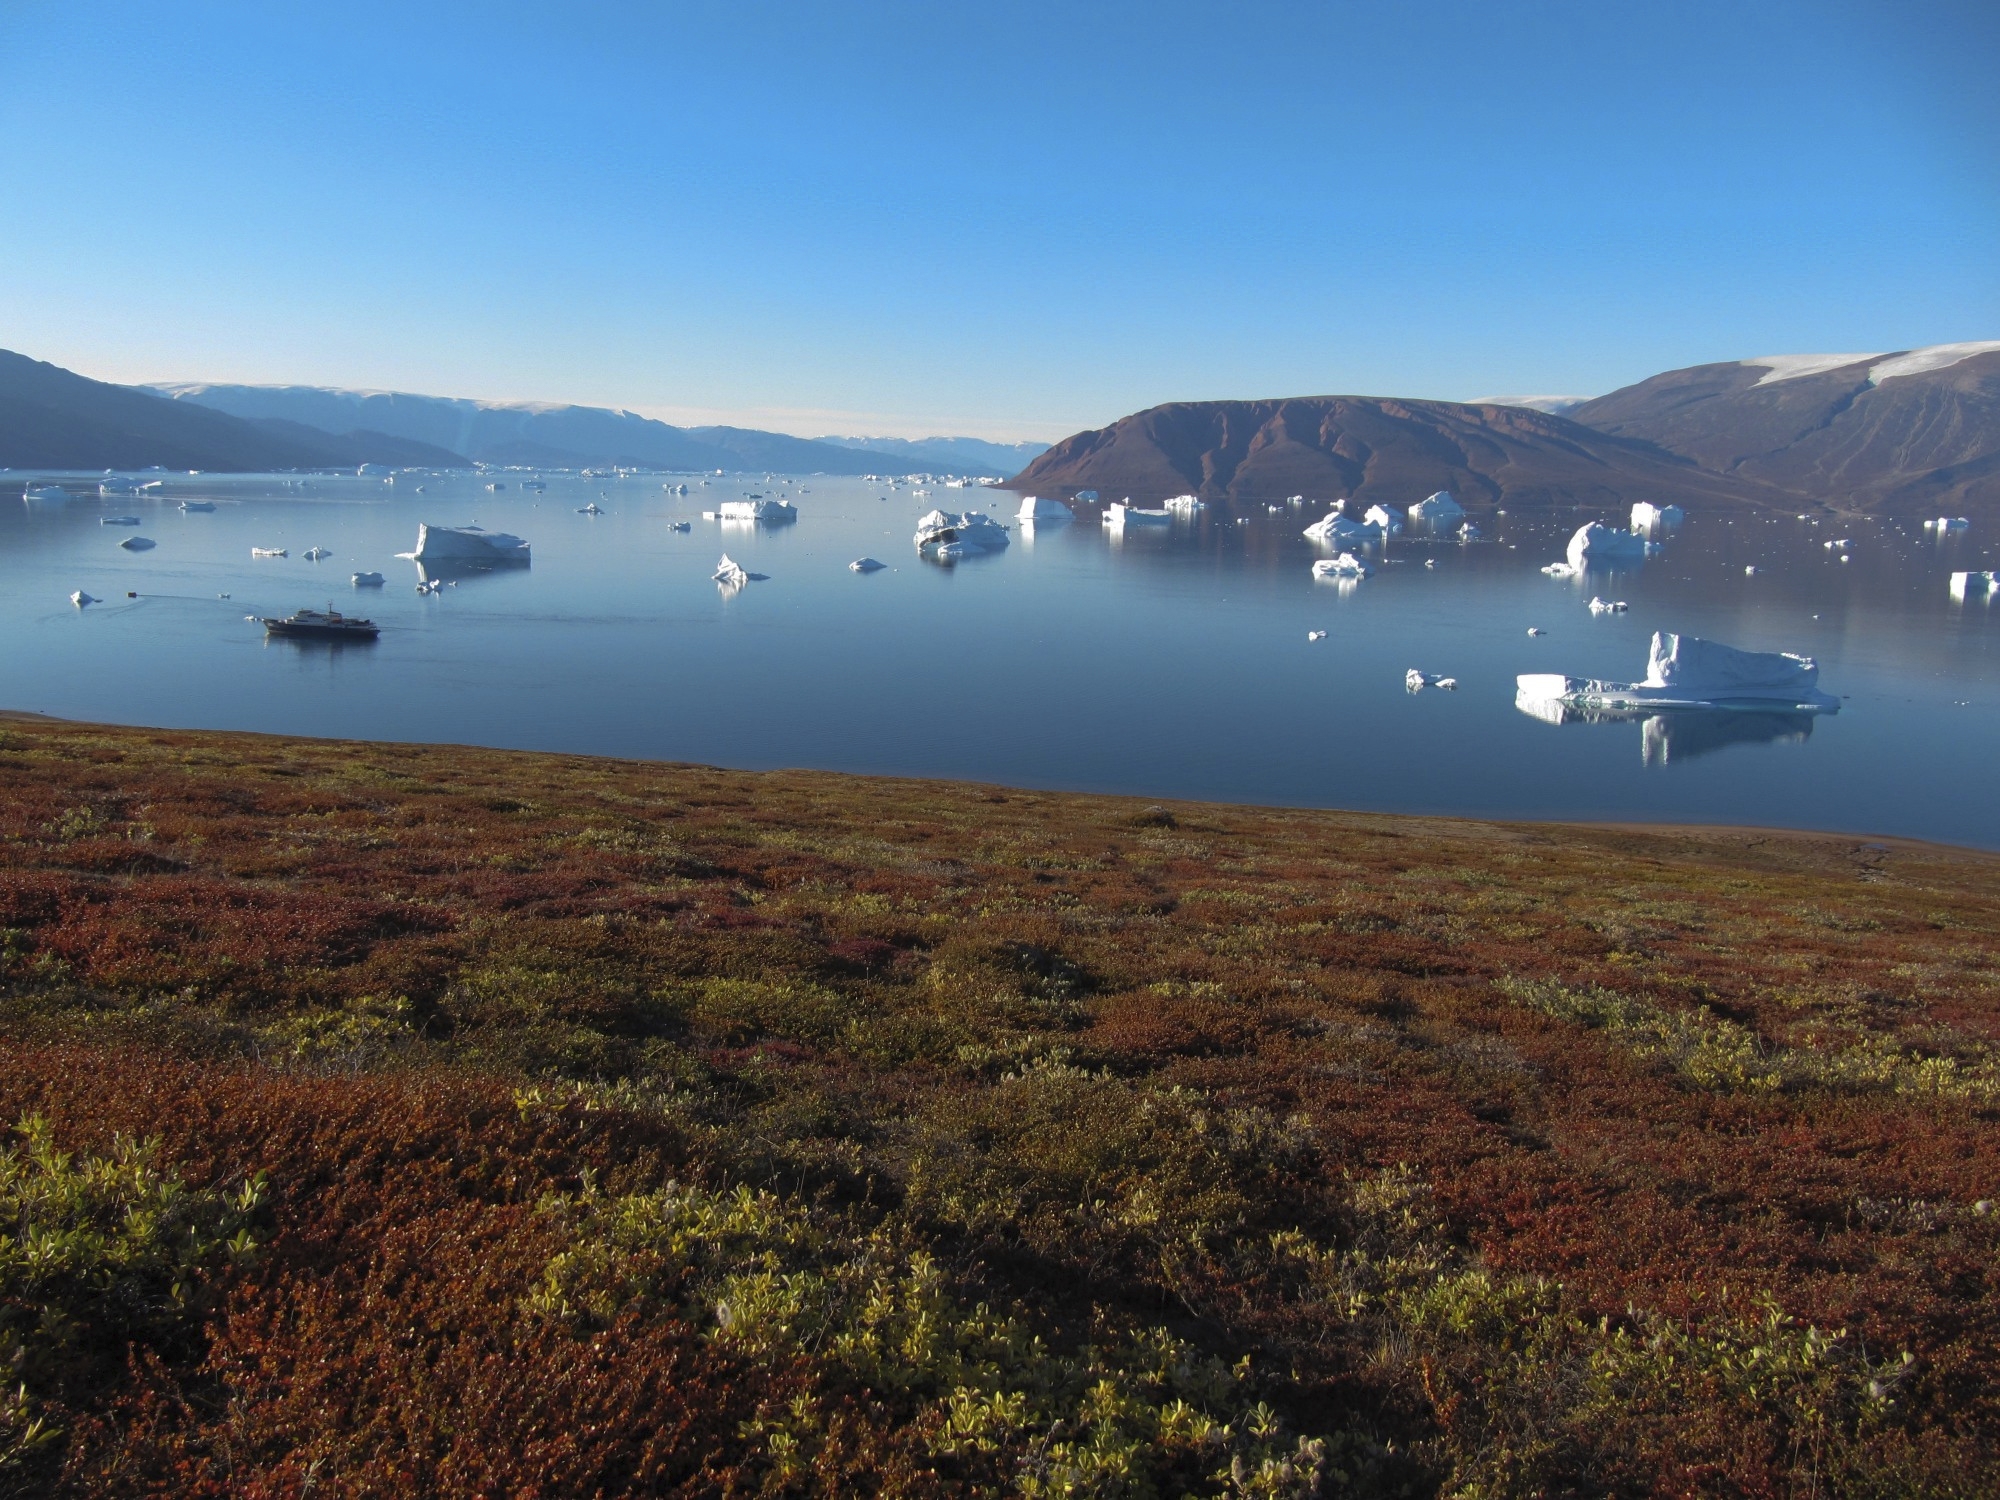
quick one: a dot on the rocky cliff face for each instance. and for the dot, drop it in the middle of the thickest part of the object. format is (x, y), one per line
(1373, 449)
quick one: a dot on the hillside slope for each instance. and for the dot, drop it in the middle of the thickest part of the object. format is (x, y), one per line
(1911, 433)
(400, 1119)
(1372, 449)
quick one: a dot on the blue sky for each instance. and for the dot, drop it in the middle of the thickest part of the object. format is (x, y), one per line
(1012, 220)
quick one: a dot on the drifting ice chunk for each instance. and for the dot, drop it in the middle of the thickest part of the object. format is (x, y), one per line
(367, 580)
(1561, 570)
(1341, 531)
(1536, 630)
(1118, 515)
(1469, 532)
(1598, 543)
(1383, 520)
(1035, 508)
(1439, 509)
(194, 505)
(1416, 681)
(1315, 635)
(1607, 606)
(1086, 497)
(468, 544)
(730, 573)
(80, 598)
(964, 533)
(1185, 505)
(1947, 523)
(138, 544)
(758, 510)
(315, 554)
(1683, 671)
(1347, 565)
(268, 552)
(1647, 517)
(865, 565)
(1973, 583)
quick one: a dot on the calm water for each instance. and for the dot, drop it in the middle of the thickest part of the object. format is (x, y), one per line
(1173, 664)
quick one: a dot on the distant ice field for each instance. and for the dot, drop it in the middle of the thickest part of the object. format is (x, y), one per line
(1164, 661)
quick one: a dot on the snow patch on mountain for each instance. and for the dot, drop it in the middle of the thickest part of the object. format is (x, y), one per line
(1794, 366)
(1935, 357)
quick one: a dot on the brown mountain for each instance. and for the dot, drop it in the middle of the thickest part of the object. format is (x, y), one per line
(1903, 433)
(1372, 449)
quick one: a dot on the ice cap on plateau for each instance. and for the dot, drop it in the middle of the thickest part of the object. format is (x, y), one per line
(1782, 367)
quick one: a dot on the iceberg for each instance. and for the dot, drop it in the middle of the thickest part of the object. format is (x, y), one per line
(1963, 584)
(950, 535)
(1607, 606)
(1561, 570)
(1415, 681)
(1184, 505)
(45, 494)
(119, 486)
(1383, 520)
(195, 505)
(1469, 531)
(1315, 635)
(268, 552)
(771, 511)
(138, 544)
(1684, 671)
(680, 526)
(1086, 497)
(1600, 544)
(1347, 565)
(117, 520)
(80, 598)
(1647, 517)
(1437, 510)
(1119, 514)
(732, 575)
(1948, 523)
(1035, 508)
(367, 580)
(315, 554)
(865, 565)
(470, 545)
(1337, 530)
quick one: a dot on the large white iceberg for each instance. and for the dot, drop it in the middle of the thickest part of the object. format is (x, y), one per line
(758, 510)
(1684, 671)
(950, 535)
(1963, 584)
(1337, 530)
(1439, 509)
(1383, 520)
(1948, 523)
(1649, 517)
(1037, 508)
(1601, 544)
(467, 544)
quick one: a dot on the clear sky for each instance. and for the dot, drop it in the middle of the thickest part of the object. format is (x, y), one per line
(1009, 220)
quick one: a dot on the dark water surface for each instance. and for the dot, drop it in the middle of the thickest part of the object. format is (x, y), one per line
(1174, 663)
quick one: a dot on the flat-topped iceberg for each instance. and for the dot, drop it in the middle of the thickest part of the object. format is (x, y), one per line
(1948, 523)
(1118, 513)
(1963, 584)
(1684, 671)
(1649, 517)
(1438, 510)
(467, 544)
(1601, 544)
(767, 511)
(1038, 508)
(950, 535)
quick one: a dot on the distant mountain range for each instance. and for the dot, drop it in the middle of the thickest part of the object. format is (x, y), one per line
(1915, 432)
(961, 455)
(52, 418)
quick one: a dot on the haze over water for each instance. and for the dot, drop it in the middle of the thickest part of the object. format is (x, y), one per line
(1172, 664)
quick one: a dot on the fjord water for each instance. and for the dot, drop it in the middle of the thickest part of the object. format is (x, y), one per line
(1171, 663)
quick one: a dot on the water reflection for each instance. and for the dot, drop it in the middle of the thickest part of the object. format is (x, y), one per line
(1682, 734)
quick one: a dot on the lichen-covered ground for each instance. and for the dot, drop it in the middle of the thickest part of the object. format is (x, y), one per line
(388, 1120)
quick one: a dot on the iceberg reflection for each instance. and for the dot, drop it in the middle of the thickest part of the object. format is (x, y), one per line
(1670, 736)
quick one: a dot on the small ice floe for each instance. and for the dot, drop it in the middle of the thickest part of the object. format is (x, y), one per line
(268, 552)
(1649, 517)
(761, 509)
(1315, 635)
(1185, 505)
(674, 489)
(80, 598)
(592, 509)
(429, 585)
(1469, 532)
(138, 544)
(1749, 570)
(1040, 508)
(1561, 570)
(1086, 497)
(1838, 544)
(1948, 523)
(866, 565)
(1684, 671)
(1118, 515)
(1347, 565)
(367, 580)
(1536, 630)
(709, 515)
(1604, 545)
(117, 520)
(680, 526)
(222, 596)
(45, 494)
(948, 536)
(1383, 520)
(315, 554)
(1607, 606)
(1430, 562)
(1415, 681)
(1438, 510)
(192, 506)
(1964, 584)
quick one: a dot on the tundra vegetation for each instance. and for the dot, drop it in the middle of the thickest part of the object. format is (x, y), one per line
(391, 1120)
